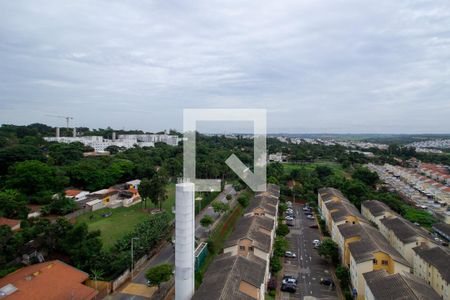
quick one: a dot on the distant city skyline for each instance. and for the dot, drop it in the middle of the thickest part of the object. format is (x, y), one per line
(316, 66)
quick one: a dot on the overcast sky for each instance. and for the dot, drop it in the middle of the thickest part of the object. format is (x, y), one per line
(317, 66)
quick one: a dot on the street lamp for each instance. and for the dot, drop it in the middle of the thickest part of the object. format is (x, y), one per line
(132, 258)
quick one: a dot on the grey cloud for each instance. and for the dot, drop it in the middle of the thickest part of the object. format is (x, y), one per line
(335, 66)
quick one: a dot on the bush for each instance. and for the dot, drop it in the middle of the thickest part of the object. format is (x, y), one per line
(275, 264)
(272, 293)
(282, 230)
(243, 200)
(343, 275)
(281, 245)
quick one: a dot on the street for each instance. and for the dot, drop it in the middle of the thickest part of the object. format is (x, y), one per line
(308, 267)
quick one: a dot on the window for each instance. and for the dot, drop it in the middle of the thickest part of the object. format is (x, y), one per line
(250, 248)
(242, 248)
(384, 262)
(375, 261)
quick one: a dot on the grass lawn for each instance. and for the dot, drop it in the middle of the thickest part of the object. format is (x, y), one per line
(336, 167)
(123, 219)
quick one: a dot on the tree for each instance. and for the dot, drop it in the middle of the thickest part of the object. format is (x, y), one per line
(282, 230)
(113, 149)
(275, 264)
(159, 274)
(220, 207)
(154, 188)
(365, 175)
(323, 171)
(243, 200)
(282, 207)
(59, 206)
(18, 153)
(62, 153)
(35, 179)
(329, 249)
(343, 275)
(281, 245)
(229, 197)
(206, 221)
(13, 204)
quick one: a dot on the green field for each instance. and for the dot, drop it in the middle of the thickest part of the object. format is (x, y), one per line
(123, 219)
(336, 167)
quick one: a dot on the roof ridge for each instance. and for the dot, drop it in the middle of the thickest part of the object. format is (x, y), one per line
(228, 277)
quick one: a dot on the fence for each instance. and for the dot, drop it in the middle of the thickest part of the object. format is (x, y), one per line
(121, 279)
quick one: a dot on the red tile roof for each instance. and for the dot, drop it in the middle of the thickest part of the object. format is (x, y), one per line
(72, 193)
(52, 280)
(10, 222)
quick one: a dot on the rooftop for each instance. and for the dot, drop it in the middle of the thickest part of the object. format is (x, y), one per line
(436, 256)
(399, 286)
(403, 230)
(372, 241)
(251, 227)
(9, 222)
(51, 280)
(376, 208)
(224, 275)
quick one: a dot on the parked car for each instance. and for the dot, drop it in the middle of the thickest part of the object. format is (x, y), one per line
(326, 281)
(315, 242)
(290, 254)
(314, 226)
(289, 218)
(306, 208)
(311, 217)
(290, 215)
(288, 279)
(290, 223)
(290, 288)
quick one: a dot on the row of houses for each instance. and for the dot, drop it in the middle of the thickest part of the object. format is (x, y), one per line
(370, 258)
(437, 172)
(428, 260)
(125, 194)
(242, 270)
(424, 191)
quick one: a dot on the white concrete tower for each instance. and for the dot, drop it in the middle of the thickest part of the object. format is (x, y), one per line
(184, 241)
(57, 132)
(74, 132)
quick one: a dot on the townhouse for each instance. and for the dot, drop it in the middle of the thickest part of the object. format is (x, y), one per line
(372, 252)
(432, 264)
(362, 247)
(242, 270)
(265, 203)
(336, 209)
(400, 233)
(374, 211)
(380, 285)
(233, 277)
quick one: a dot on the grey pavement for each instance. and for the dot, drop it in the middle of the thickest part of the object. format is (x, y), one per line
(309, 267)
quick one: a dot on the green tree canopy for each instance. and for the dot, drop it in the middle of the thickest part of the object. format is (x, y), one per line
(159, 274)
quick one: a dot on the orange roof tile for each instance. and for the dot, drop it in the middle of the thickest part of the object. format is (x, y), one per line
(52, 280)
(72, 193)
(10, 222)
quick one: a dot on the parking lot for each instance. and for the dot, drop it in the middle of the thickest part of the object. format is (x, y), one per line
(308, 267)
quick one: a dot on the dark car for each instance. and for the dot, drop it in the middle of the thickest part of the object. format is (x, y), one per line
(314, 226)
(288, 287)
(326, 281)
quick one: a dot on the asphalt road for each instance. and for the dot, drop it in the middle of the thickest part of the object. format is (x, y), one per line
(308, 266)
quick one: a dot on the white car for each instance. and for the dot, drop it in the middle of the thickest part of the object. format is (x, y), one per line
(287, 218)
(306, 208)
(311, 217)
(290, 254)
(316, 242)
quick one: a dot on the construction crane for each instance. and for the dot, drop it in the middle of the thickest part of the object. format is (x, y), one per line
(68, 118)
